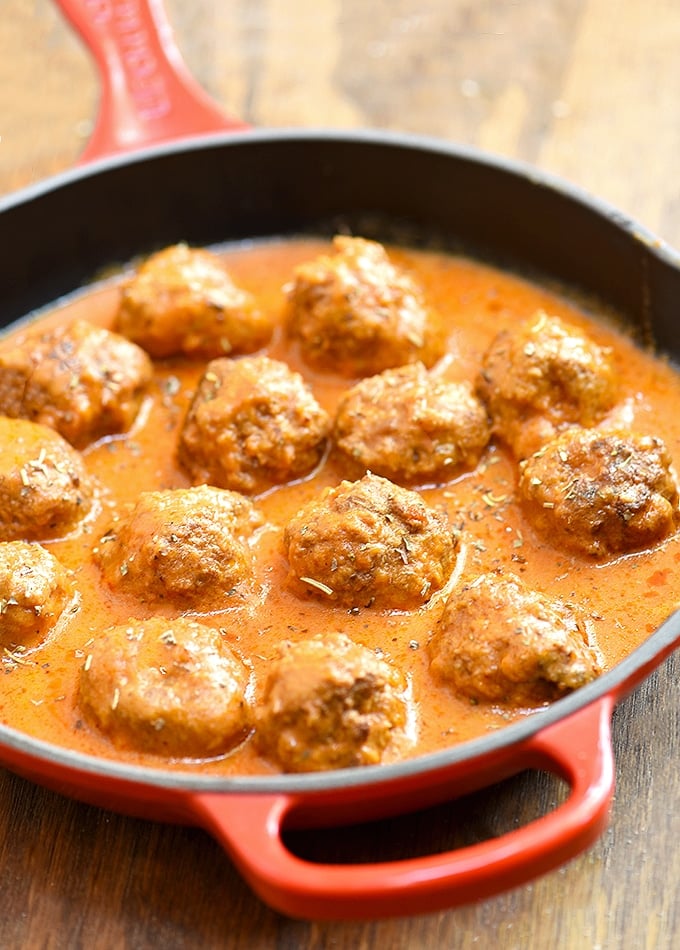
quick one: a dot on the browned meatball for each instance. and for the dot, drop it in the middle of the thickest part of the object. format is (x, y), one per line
(600, 493)
(502, 642)
(253, 423)
(411, 427)
(356, 313)
(329, 703)
(170, 687)
(81, 380)
(35, 589)
(541, 377)
(45, 490)
(185, 546)
(369, 543)
(183, 301)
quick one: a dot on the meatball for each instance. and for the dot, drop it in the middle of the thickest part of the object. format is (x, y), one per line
(329, 703)
(356, 313)
(600, 493)
(81, 380)
(185, 546)
(502, 642)
(170, 687)
(183, 301)
(45, 489)
(369, 543)
(541, 377)
(411, 427)
(35, 589)
(253, 423)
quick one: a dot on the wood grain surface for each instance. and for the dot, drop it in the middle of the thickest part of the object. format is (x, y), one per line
(587, 89)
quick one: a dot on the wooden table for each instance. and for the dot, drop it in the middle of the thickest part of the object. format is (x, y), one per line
(585, 88)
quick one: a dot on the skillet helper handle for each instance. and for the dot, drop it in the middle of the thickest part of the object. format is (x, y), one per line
(578, 749)
(148, 95)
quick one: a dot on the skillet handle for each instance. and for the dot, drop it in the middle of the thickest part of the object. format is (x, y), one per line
(578, 749)
(148, 95)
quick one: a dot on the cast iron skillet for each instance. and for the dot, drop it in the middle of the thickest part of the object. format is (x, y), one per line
(210, 185)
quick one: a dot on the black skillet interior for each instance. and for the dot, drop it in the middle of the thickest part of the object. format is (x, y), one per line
(61, 234)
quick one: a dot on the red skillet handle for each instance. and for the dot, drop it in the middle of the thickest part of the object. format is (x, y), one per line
(147, 95)
(578, 749)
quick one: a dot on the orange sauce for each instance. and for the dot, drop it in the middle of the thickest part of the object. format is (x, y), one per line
(625, 599)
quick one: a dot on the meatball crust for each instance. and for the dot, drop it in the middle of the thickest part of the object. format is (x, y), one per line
(83, 381)
(355, 313)
(540, 378)
(499, 641)
(253, 423)
(174, 688)
(329, 703)
(182, 301)
(369, 543)
(45, 489)
(600, 493)
(35, 589)
(410, 427)
(186, 546)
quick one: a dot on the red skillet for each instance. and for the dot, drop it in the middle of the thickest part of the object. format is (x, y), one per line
(248, 184)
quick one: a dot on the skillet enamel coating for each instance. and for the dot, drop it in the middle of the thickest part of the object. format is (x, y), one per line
(247, 184)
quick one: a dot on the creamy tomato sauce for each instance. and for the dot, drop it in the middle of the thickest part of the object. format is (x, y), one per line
(625, 600)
